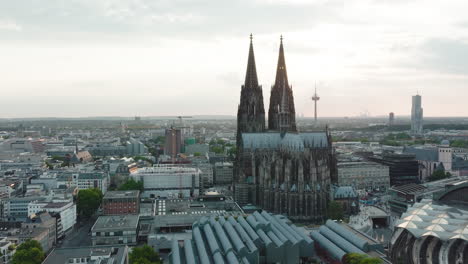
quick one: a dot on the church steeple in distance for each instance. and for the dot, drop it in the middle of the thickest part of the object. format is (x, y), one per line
(279, 90)
(251, 113)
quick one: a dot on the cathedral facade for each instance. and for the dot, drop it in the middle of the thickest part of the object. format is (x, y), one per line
(278, 168)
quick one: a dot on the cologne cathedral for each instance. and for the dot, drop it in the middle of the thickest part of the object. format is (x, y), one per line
(278, 168)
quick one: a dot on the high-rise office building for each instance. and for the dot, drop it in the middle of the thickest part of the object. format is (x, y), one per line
(416, 116)
(173, 145)
(391, 119)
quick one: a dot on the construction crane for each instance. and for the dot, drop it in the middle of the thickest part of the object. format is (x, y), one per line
(181, 117)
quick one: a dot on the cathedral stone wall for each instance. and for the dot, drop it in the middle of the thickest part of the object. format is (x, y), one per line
(279, 169)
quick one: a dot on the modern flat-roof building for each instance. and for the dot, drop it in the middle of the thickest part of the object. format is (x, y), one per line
(403, 168)
(121, 202)
(178, 215)
(223, 173)
(115, 230)
(363, 175)
(87, 180)
(88, 255)
(16, 208)
(169, 181)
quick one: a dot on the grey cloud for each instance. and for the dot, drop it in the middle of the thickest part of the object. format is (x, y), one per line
(167, 17)
(446, 55)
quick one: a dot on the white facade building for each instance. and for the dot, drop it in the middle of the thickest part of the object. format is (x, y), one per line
(87, 180)
(363, 175)
(169, 181)
(66, 209)
(446, 155)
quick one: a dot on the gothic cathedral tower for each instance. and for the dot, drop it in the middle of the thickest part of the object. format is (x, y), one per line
(282, 114)
(250, 114)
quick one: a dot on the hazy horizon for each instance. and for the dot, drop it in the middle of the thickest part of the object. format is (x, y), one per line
(87, 58)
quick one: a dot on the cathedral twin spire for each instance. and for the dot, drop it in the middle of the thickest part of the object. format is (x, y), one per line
(251, 79)
(251, 114)
(281, 114)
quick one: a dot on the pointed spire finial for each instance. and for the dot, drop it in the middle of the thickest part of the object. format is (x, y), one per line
(281, 38)
(251, 80)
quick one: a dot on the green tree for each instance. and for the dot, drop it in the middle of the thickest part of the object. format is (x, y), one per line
(232, 152)
(217, 149)
(356, 258)
(144, 255)
(335, 210)
(161, 140)
(58, 158)
(137, 158)
(30, 252)
(439, 175)
(49, 166)
(197, 154)
(88, 201)
(131, 185)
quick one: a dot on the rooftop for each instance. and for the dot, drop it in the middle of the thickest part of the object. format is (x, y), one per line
(121, 194)
(90, 175)
(117, 254)
(115, 222)
(166, 170)
(57, 205)
(183, 212)
(359, 164)
(435, 219)
(410, 188)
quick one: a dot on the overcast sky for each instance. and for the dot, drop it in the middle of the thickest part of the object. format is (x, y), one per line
(185, 57)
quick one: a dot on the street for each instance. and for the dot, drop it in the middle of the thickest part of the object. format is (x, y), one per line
(79, 236)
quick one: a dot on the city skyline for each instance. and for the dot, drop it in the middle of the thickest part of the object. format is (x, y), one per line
(129, 58)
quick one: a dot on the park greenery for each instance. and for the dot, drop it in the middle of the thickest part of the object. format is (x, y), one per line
(144, 255)
(88, 201)
(356, 258)
(395, 139)
(335, 210)
(220, 146)
(131, 185)
(459, 143)
(29, 252)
